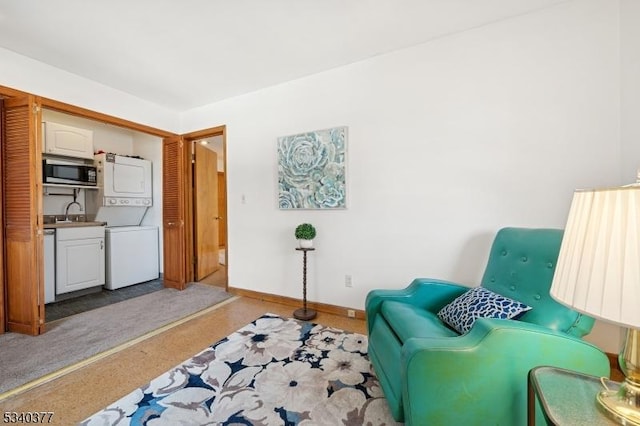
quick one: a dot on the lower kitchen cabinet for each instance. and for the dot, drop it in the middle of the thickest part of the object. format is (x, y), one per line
(79, 258)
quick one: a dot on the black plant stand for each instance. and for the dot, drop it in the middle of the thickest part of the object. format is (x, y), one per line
(304, 313)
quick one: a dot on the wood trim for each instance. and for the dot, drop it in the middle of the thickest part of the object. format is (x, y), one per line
(190, 139)
(104, 118)
(8, 92)
(87, 113)
(3, 305)
(189, 209)
(296, 303)
(223, 210)
(205, 133)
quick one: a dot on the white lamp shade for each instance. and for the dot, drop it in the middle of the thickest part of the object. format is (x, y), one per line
(598, 270)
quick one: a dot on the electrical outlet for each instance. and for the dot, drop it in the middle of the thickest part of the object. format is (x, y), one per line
(348, 281)
(351, 313)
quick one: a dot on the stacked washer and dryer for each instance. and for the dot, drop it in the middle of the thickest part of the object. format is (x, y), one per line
(122, 200)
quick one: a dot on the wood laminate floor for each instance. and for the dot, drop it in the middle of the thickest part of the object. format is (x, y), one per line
(78, 394)
(218, 278)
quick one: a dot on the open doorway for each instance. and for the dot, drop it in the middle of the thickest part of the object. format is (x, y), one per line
(208, 208)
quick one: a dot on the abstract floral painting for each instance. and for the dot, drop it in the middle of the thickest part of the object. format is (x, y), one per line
(311, 170)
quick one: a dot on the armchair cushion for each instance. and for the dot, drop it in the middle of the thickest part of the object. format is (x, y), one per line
(407, 321)
(476, 303)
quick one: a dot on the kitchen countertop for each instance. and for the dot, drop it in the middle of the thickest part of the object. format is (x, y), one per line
(72, 224)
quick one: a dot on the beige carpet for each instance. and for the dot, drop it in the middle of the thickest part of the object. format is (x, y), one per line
(78, 337)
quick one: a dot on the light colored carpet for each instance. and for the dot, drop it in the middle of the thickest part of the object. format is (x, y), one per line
(78, 337)
(274, 371)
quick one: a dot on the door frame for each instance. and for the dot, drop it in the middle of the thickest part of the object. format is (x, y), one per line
(3, 302)
(190, 138)
(8, 93)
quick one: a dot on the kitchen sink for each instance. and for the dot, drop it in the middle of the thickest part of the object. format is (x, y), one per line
(59, 221)
(71, 224)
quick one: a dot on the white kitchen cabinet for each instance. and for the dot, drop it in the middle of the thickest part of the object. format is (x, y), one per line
(60, 139)
(79, 258)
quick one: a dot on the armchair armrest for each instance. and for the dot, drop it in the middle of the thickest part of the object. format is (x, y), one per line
(427, 293)
(487, 368)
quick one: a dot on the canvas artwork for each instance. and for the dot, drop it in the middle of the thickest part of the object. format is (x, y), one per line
(311, 169)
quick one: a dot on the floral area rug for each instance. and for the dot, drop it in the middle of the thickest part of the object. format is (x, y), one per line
(273, 371)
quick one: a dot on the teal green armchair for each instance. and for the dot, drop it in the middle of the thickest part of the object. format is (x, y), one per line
(432, 375)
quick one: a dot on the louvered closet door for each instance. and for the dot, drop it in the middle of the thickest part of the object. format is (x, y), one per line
(173, 212)
(22, 175)
(3, 315)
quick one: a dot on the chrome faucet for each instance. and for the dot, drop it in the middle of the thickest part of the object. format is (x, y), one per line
(66, 211)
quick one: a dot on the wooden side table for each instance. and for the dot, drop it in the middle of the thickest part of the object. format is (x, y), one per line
(566, 397)
(304, 313)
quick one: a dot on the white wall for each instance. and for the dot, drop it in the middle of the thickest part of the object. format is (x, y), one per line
(609, 336)
(448, 142)
(630, 93)
(28, 75)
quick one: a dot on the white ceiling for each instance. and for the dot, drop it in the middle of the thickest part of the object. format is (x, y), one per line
(184, 54)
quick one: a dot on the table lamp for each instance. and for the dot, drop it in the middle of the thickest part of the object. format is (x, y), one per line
(598, 273)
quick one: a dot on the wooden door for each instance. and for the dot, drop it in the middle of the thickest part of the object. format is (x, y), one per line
(22, 174)
(222, 207)
(3, 316)
(173, 212)
(205, 202)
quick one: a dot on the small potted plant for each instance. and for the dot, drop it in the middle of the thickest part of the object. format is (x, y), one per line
(305, 233)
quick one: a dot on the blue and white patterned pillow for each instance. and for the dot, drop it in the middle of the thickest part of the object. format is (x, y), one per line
(476, 303)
